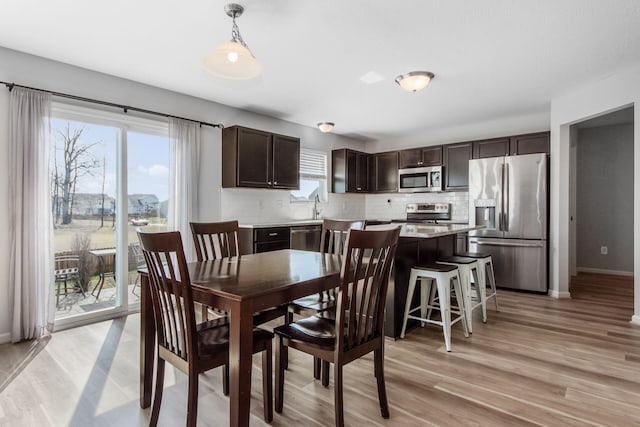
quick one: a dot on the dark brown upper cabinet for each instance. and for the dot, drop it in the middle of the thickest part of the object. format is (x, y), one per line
(383, 171)
(258, 159)
(494, 147)
(350, 171)
(456, 166)
(417, 157)
(530, 143)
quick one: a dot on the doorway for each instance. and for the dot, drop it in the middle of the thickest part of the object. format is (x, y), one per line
(601, 194)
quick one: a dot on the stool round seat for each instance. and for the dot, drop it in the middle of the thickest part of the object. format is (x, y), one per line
(476, 255)
(441, 268)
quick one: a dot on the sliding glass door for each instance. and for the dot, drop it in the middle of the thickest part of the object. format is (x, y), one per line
(109, 178)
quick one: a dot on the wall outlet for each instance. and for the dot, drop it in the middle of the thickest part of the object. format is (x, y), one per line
(604, 250)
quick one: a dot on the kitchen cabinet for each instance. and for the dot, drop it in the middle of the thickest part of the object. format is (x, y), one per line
(258, 159)
(417, 157)
(530, 143)
(495, 147)
(350, 171)
(256, 240)
(383, 171)
(456, 166)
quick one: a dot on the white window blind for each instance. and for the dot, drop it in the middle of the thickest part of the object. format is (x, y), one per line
(313, 164)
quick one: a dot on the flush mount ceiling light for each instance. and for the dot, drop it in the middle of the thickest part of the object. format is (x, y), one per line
(415, 80)
(326, 126)
(233, 59)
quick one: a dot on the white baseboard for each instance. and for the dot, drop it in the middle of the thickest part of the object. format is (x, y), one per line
(635, 319)
(5, 338)
(559, 295)
(604, 271)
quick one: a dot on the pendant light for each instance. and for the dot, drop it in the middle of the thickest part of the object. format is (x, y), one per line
(415, 80)
(233, 59)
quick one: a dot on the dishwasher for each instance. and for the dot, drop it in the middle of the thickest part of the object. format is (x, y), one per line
(306, 238)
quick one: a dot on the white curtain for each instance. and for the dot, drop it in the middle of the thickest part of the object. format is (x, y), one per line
(31, 226)
(184, 139)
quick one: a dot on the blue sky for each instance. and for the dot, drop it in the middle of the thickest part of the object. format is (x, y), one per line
(148, 160)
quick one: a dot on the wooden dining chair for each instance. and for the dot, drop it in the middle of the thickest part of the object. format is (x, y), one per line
(357, 328)
(215, 240)
(190, 347)
(332, 241)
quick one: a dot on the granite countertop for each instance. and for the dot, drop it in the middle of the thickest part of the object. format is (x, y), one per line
(427, 231)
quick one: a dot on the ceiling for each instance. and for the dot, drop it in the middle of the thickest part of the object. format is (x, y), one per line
(492, 58)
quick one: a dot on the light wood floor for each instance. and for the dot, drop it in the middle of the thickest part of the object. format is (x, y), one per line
(539, 361)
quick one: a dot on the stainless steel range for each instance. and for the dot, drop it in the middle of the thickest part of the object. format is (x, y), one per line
(427, 213)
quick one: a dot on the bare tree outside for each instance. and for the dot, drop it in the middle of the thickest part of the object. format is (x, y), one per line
(77, 161)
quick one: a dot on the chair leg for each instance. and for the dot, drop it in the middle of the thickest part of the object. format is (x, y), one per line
(225, 379)
(325, 373)
(279, 375)
(267, 382)
(378, 358)
(317, 367)
(157, 398)
(337, 386)
(192, 400)
(288, 318)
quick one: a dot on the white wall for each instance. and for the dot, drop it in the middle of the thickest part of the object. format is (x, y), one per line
(609, 94)
(37, 72)
(604, 199)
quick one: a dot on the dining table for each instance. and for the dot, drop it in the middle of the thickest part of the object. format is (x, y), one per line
(241, 286)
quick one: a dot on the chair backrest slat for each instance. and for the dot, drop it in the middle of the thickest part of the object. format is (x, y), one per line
(171, 293)
(334, 234)
(214, 240)
(364, 281)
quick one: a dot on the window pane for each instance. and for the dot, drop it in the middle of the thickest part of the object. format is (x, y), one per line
(148, 199)
(83, 185)
(313, 177)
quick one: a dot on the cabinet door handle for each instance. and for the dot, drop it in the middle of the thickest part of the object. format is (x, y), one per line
(273, 234)
(269, 182)
(275, 182)
(359, 189)
(420, 162)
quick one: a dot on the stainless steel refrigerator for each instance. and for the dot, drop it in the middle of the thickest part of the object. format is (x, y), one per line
(508, 195)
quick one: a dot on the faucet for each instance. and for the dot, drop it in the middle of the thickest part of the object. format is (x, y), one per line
(316, 211)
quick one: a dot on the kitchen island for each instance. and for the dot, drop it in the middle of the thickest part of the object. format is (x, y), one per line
(419, 244)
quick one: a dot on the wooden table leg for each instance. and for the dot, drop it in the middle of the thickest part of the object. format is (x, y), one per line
(240, 355)
(147, 342)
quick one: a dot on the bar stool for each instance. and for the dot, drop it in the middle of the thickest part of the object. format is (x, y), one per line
(485, 273)
(468, 267)
(445, 276)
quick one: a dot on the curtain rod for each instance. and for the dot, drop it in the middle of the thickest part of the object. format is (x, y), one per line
(125, 108)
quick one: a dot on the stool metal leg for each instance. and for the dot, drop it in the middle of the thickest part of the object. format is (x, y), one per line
(412, 286)
(459, 300)
(492, 282)
(480, 290)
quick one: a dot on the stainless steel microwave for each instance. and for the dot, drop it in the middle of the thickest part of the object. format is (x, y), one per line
(420, 180)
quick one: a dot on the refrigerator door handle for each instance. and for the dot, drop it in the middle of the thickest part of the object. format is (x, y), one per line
(519, 245)
(505, 197)
(500, 215)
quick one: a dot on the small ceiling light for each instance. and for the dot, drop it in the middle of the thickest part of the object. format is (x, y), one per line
(233, 59)
(326, 126)
(415, 80)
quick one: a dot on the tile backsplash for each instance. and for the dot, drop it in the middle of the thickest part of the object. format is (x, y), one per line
(392, 205)
(250, 206)
(263, 206)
